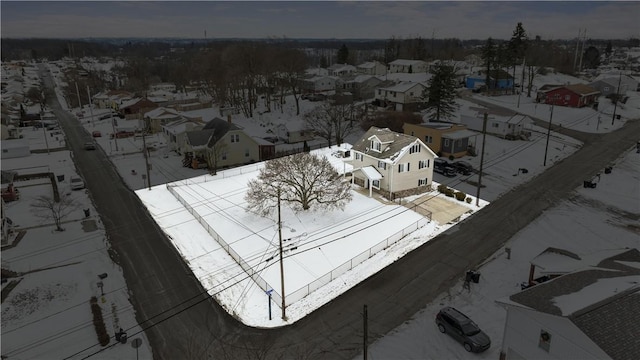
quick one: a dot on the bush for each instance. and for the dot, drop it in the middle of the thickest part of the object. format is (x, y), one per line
(468, 200)
(460, 196)
(451, 157)
(98, 322)
(449, 192)
(442, 188)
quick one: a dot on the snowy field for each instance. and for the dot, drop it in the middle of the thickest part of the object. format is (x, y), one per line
(319, 247)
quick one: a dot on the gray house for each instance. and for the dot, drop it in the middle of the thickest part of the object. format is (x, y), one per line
(608, 84)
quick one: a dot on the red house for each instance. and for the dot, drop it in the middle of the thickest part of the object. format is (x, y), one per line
(576, 95)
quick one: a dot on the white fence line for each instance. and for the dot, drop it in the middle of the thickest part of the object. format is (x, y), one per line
(355, 261)
(314, 285)
(262, 283)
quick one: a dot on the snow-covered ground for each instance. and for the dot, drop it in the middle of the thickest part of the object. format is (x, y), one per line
(59, 323)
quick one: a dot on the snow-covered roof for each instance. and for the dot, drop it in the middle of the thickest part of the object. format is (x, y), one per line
(161, 112)
(459, 134)
(602, 300)
(371, 173)
(406, 62)
(396, 144)
(402, 87)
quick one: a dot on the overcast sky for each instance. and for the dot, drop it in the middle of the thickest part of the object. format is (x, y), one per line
(317, 19)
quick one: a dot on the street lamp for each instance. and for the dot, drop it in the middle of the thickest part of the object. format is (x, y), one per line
(269, 299)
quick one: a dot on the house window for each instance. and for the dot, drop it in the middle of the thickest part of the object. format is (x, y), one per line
(359, 156)
(224, 156)
(422, 182)
(376, 184)
(403, 167)
(428, 139)
(246, 152)
(545, 340)
(495, 125)
(567, 97)
(414, 148)
(382, 165)
(423, 164)
(446, 142)
(375, 145)
(235, 138)
(606, 88)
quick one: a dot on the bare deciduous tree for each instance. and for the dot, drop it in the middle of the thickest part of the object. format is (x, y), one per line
(214, 154)
(334, 122)
(299, 180)
(47, 208)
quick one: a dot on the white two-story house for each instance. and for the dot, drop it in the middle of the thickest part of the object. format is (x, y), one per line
(391, 163)
(405, 96)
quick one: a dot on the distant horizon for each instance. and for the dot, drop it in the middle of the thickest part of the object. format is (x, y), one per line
(340, 20)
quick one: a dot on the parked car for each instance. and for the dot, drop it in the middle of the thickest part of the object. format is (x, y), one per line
(463, 167)
(76, 183)
(90, 145)
(443, 167)
(460, 327)
(96, 134)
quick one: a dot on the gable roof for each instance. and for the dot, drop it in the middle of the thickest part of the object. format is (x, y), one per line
(220, 128)
(603, 301)
(397, 143)
(405, 62)
(401, 87)
(581, 89)
(199, 138)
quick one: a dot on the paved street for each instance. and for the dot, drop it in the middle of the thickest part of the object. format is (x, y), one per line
(159, 281)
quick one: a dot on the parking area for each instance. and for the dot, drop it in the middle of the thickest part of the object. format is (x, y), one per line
(442, 210)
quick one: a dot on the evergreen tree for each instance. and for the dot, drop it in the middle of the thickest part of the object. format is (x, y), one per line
(441, 92)
(488, 55)
(517, 49)
(343, 54)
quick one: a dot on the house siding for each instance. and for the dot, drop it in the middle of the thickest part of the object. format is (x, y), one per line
(401, 181)
(522, 336)
(237, 151)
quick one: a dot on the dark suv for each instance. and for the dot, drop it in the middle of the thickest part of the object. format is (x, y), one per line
(463, 167)
(463, 329)
(443, 167)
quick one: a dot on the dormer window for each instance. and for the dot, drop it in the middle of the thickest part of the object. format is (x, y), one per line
(414, 148)
(375, 145)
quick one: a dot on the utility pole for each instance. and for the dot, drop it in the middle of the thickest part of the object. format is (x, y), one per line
(484, 137)
(584, 39)
(615, 102)
(90, 104)
(365, 332)
(575, 59)
(78, 93)
(146, 160)
(284, 314)
(546, 148)
(113, 126)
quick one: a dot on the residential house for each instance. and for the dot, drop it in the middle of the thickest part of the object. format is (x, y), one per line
(175, 132)
(341, 70)
(575, 95)
(294, 132)
(445, 139)
(225, 143)
(362, 86)
(498, 79)
(111, 99)
(136, 108)
(591, 313)
(156, 118)
(318, 84)
(407, 66)
(510, 127)
(392, 164)
(372, 68)
(405, 96)
(608, 85)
